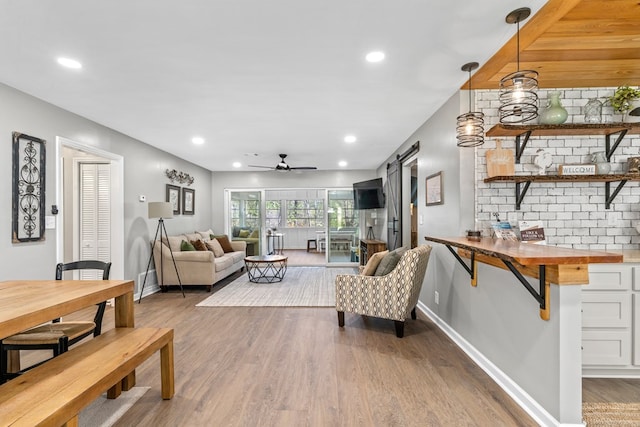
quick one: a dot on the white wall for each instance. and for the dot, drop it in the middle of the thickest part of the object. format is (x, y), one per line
(498, 321)
(143, 174)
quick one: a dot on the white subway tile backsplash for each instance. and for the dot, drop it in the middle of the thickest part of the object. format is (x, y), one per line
(573, 213)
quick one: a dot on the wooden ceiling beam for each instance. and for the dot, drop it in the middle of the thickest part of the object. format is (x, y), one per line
(535, 27)
(536, 56)
(577, 43)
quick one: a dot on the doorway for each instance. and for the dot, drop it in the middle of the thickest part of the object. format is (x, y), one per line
(245, 220)
(402, 199)
(70, 155)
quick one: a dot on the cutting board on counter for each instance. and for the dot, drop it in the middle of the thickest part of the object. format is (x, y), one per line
(500, 161)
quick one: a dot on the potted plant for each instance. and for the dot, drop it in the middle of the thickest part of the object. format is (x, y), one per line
(622, 99)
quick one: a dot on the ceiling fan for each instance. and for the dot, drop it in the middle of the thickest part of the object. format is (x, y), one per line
(283, 166)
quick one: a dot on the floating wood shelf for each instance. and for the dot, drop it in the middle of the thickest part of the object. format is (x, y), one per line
(549, 264)
(528, 179)
(522, 133)
(565, 178)
(565, 129)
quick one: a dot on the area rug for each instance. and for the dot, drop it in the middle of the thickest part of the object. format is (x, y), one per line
(611, 414)
(301, 287)
(104, 412)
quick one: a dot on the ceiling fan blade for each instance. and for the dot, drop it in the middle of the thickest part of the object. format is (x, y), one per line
(264, 167)
(309, 168)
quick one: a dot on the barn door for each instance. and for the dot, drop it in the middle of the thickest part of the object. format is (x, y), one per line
(95, 215)
(394, 205)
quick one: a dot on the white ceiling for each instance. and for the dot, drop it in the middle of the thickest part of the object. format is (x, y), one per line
(253, 76)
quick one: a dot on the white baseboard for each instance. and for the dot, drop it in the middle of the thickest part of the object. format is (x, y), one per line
(150, 287)
(521, 397)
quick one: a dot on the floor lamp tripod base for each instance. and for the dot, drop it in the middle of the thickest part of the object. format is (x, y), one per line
(160, 230)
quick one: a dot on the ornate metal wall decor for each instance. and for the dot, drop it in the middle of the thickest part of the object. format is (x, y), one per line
(28, 203)
(181, 177)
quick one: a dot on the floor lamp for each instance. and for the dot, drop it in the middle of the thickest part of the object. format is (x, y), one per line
(162, 211)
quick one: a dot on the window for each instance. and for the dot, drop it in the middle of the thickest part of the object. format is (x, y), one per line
(245, 213)
(273, 213)
(305, 213)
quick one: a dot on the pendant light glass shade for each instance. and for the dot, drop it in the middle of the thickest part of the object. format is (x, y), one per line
(518, 97)
(470, 128)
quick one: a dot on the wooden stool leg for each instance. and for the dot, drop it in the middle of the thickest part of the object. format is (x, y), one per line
(73, 422)
(115, 391)
(166, 371)
(13, 361)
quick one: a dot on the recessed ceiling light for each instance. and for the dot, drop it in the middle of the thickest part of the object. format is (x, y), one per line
(197, 140)
(342, 163)
(376, 56)
(237, 164)
(69, 63)
(350, 139)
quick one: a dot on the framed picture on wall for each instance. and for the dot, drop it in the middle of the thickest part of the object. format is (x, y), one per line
(433, 185)
(188, 201)
(173, 196)
(28, 188)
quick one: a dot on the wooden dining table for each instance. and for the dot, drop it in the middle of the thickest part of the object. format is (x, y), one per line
(28, 303)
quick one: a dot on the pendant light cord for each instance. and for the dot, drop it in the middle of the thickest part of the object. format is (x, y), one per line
(469, 90)
(518, 45)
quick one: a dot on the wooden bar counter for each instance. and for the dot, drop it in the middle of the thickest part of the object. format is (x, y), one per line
(549, 264)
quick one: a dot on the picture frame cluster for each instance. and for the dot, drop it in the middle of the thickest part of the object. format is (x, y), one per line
(182, 199)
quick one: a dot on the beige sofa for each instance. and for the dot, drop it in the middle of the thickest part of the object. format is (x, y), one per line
(199, 268)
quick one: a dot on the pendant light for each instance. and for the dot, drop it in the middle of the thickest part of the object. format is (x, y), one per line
(518, 98)
(470, 129)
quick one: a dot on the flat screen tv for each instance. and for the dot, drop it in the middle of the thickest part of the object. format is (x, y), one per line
(368, 194)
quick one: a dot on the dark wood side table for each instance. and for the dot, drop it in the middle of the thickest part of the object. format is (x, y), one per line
(369, 247)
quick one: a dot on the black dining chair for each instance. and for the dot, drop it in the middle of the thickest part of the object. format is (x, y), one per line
(57, 335)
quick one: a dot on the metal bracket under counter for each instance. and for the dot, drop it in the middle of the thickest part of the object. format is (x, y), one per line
(549, 264)
(540, 297)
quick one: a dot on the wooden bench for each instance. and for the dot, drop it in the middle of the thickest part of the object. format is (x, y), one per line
(53, 393)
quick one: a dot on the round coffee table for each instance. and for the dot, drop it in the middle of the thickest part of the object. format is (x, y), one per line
(266, 268)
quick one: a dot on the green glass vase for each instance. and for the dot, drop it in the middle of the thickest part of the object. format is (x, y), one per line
(554, 113)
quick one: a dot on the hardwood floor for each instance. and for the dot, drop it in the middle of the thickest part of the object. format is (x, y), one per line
(295, 367)
(300, 257)
(620, 390)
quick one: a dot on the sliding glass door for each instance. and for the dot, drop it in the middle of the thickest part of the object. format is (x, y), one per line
(343, 227)
(245, 219)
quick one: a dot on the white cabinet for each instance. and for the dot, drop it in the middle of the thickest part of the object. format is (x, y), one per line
(606, 309)
(611, 321)
(606, 348)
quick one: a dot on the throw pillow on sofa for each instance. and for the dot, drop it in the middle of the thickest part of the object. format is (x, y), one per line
(186, 246)
(214, 246)
(198, 244)
(389, 262)
(255, 234)
(206, 235)
(373, 262)
(244, 234)
(224, 242)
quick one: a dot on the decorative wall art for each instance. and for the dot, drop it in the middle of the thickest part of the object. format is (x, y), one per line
(180, 177)
(188, 201)
(173, 196)
(433, 184)
(28, 188)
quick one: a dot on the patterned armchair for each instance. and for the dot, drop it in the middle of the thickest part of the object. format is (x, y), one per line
(393, 296)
